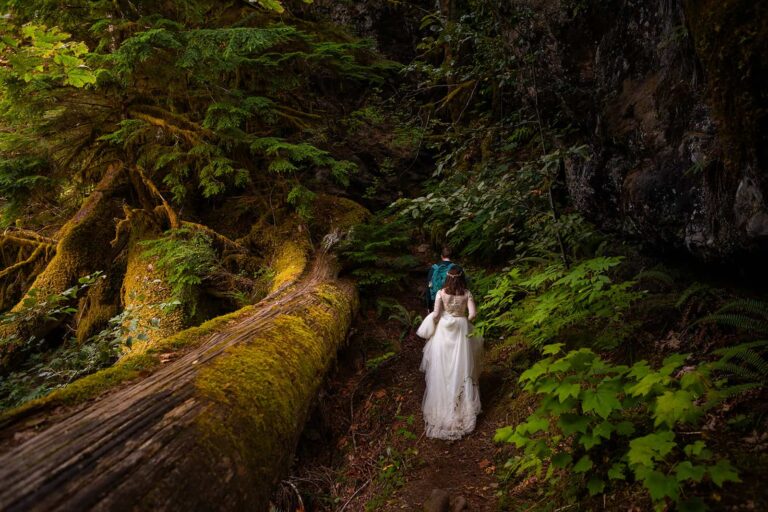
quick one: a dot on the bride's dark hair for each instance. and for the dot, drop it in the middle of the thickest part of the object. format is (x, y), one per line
(455, 284)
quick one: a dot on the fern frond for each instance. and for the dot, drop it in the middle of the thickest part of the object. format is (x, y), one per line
(696, 288)
(656, 275)
(752, 307)
(735, 320)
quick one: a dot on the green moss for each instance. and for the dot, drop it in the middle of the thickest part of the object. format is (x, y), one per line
(260, 391)
(144, 287)
(289, 262)
(131, 366)
(333, 212)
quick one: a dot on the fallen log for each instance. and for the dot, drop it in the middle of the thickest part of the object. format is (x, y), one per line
(213, 429)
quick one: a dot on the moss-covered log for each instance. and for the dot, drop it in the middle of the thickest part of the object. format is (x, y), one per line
(212, 429)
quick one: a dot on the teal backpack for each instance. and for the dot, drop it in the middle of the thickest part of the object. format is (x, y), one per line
(439, 272)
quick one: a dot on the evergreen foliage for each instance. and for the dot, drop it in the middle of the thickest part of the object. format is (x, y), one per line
(186, 257)
(208, 98)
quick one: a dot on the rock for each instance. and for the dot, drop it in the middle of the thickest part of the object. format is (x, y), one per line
(439, 501)
(459, 504)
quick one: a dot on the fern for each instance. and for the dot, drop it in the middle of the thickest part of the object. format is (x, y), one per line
(745, 361)
(743, 314)
(693, 290)
(542, 304)
(186, 257)
(377, 253)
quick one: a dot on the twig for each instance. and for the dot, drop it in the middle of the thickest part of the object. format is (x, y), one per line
(355, 494)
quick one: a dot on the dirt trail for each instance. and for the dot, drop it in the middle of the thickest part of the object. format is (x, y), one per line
(379, 458)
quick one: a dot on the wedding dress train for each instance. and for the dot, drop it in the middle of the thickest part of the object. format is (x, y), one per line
(451, 363)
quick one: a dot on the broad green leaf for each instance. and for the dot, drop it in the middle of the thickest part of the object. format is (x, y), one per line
(661, 486)
(687, 471)
(552, 349)
(535, 371)
(644, 450)
(616, 472)
(572, 423)
(595, 485)
(647, 384)
(555, 407)
(604, 429)
(694, 449)
(694, 381)
(601, 400)
(723, 472)
(625, 428)
(589, 441)
(583, 465)
(533, 424)
(561, 459)
(566, 390)
(672, 363)
(673, 407)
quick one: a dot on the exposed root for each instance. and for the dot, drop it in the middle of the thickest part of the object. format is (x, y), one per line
(40, 250)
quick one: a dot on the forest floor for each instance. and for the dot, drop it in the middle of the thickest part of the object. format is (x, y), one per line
(365, 447)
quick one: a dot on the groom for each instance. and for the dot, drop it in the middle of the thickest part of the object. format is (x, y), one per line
(436, 275)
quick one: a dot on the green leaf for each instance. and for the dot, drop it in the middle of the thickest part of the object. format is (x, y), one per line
(535, 371)
(603, 429)
(616, 472)
(583, 465)
(571, 423)
(625, 428)
(661, 486)
(532, 425)
(694, 449)
(595, 485)
(694, 381)
(673, 407)
(673, 362)
(603, 401)
(723, 472)
(552, 349)
(589, 441)
(687, 471)
(561, 459)
(503, 434)
(566, 390)
(647, 384)
(644, 450)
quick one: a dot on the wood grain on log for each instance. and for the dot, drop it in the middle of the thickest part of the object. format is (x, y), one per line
(150, 445)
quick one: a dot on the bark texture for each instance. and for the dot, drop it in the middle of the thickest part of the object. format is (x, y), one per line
(213, 429)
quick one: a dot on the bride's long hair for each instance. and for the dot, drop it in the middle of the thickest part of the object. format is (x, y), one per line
(455, 284)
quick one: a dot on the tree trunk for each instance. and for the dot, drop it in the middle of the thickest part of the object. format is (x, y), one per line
(214, 429)
(83, 248)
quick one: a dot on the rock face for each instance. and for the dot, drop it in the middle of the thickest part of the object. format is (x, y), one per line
(671, 98)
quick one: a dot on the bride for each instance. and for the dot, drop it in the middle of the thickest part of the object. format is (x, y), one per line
(451, 361)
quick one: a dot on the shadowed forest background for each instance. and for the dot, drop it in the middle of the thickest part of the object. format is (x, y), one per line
(217, 218)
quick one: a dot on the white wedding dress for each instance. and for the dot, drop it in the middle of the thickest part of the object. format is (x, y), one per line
(451, 363)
